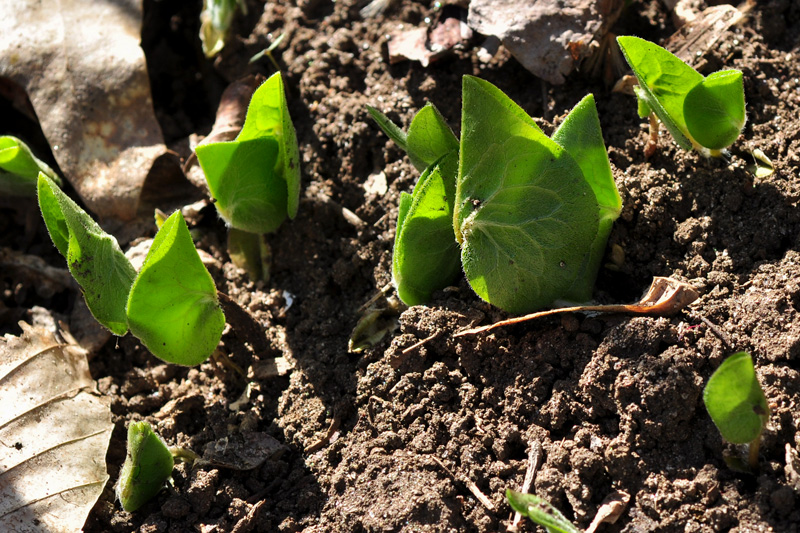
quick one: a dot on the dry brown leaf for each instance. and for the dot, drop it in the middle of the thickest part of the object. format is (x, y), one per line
(549, 37)
(54, 433)
(665, 297)
(82, 67)
(610, 510)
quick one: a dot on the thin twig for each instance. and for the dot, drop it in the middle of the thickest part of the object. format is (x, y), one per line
(325, 439)
(534, 457)
(718, 332)
(473, 488)
(420, 343)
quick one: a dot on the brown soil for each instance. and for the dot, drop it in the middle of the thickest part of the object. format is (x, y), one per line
(390, 439)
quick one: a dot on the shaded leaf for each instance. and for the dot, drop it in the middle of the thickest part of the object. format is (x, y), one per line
(56, 432)
(148, 465)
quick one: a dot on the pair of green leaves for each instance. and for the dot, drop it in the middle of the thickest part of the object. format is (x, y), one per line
(736, 402)
(531, 214)
(19, 168)
(171, 305)
(255, 179)
(707, 113)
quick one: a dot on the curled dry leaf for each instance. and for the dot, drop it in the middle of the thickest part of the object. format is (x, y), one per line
(54, 433)
(610, 510)
(665, 297)
(82, 67)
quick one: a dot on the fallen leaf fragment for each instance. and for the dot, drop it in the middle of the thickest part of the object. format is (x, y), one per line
(426, 45)
(665, 297)
(548, 37)
(85, 74)
(693, 40)
(54, 433)
(610, 510)
(241, 452)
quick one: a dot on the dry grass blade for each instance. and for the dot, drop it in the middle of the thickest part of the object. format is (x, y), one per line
(665, 297)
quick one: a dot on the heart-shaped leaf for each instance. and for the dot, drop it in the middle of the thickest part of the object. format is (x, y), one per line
(735, 400)
(714, 109)
(173, 307)
(524, 215)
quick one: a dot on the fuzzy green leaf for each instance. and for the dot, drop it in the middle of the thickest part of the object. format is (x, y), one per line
(147, 467)
(540, 511)
(581, 136)
(19, 168)
(524, 214)
(735, 400)
(664, 82)
(93, 256)
(173, 307)
(425, 256)
(714, 109)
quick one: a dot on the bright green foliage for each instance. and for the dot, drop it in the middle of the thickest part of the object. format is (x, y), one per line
(532, 215)
(704, 113)
(93, 256)
(735, 400)
(172, 307)
(147, 467)
(255, 179)
(425, 254)
(19, 168)
(540, 511)
(525, 215)
(425, 257)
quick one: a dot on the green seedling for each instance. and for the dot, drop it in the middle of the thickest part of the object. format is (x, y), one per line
(171, 305)
(255, 179)
(736, 403)
(531, 214)
(425, 257)
(19, 168)
(147, 467)
(215, 23)
(540, 511)
(705, 113)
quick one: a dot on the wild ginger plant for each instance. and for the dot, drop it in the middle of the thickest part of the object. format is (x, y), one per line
(706, 113)
(531, 215)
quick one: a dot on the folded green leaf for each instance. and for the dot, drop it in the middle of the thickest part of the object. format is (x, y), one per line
(704, 113)
(93, 256)
(714, 109)
(581, 136)
(540, 511)
(524, 214)
(425, 256)
(735, 400)
(147, 467)
(256, 178)
(19, 168)
(173, 306)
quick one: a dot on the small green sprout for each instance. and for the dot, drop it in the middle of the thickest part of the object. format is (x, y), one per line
(540, 511)
(147, 467)
(171, 305)
(736, 403)
(531, 214)
(255, 179)
(19, 168)
(705, 113)
(215, 23)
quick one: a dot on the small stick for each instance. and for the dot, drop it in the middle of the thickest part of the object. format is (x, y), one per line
(534, 456)
(325, 439)
(420, 343)
(473, 488)
(718, 332)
